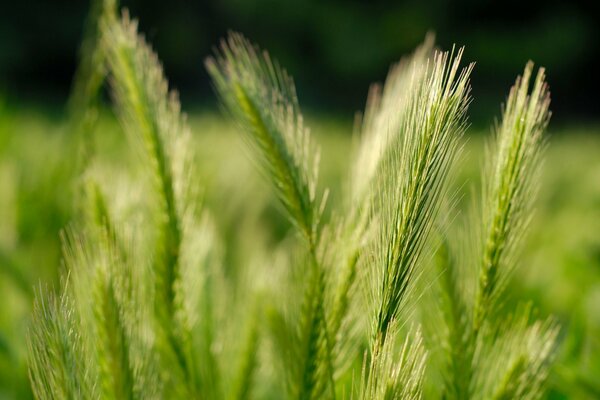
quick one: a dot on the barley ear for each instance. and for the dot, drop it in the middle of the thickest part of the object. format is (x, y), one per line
(385, 110)
(141, 93)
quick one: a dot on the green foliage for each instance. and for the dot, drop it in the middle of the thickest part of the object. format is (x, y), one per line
(149, 307)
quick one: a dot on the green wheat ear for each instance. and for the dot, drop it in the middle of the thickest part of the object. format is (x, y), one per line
(263, 99)
(412, 182)
(142, 94)
(507, 200)
(121, 331)
(511, 184)
(395, 371)
(386, 109)
(151, 113)
(90, 77)
(91, 70)
(58, 361)
(482, 336)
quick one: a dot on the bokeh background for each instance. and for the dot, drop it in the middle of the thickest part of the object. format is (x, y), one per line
(335, 50)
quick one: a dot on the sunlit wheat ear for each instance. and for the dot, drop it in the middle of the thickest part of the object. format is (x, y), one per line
(511, 185)
(380, 123)
(262, 97)
(384, 112)
(411, 182)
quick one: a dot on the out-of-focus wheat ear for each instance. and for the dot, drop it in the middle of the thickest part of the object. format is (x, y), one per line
(411, 183)
(262, 97)
(58, 361)
(112, 341)
(118, 381)
(137, 85)
(244, 379)
(100, 219)
(99, 294)
(97, 210)
(395, 372)
(109, 291)
(316, 378)
(91, 70)
(514, 361)
(153, 115)
(90, 77)
(512, 185)
(458, 368)
(141, 93)
(385, 111)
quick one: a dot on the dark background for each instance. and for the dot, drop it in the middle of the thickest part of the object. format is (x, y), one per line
(334, 49)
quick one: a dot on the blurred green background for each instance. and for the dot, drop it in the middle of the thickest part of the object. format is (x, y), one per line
(334, 49)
